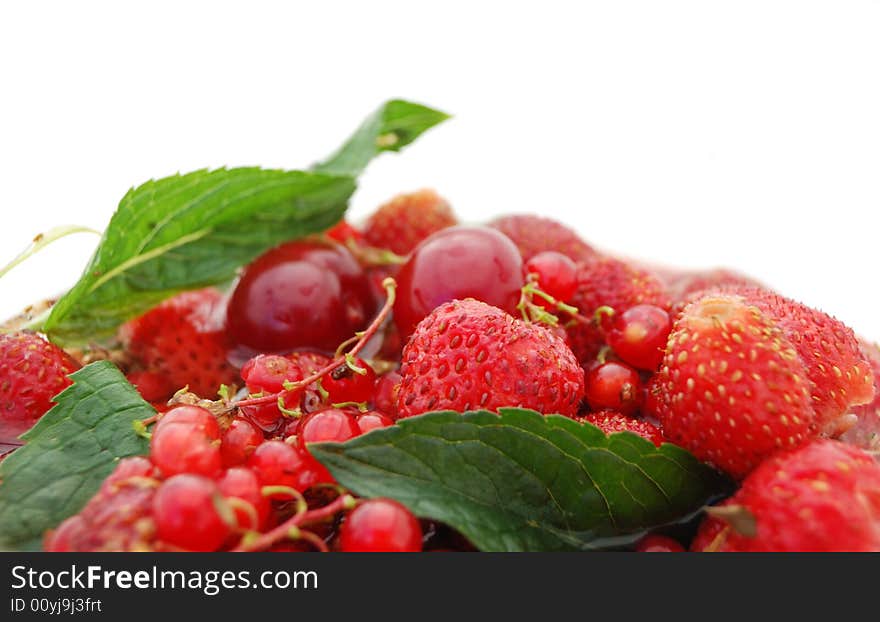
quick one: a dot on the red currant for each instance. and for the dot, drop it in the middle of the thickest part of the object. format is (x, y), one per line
(277, 463)
(239, 441)
(658, 544)
(186, 515)
(343, 384)
(373, 420)
(334, 425)
(243, 484)
(300, 294)
(458, 262)
(639, 334)
(187, 440)
(557, 276)
(380, 525)
(613, 386)
(385, 393)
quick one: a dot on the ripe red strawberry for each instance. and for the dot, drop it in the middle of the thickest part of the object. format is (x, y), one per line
(732, 389)
(865, 430)
(535, 234)
(838, 372)
(613, 283)
(184, 340)
(824, 496)
(610, 422)
(468, 355)
(32, 372)
(117, 518)
(407, 219)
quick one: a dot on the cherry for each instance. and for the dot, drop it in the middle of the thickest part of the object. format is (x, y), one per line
(243, 484)
(556, 274)
(373, 420)
(639, 334)
(613, 386)
(385, 393)
(344, 384)
(458, 262)
(239, 441)
(187, 440)
(186, 515)
(277, 463)
(658, 544)
(380, 525)
(300, 294)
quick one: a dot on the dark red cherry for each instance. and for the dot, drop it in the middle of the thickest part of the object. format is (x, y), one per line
(297, 295)
(455, 263)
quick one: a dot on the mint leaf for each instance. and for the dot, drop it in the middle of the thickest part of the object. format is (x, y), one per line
(521, 481)
(394, 125)
(190, 231)
(68, 453)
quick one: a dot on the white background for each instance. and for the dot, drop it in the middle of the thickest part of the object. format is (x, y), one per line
(744, 133)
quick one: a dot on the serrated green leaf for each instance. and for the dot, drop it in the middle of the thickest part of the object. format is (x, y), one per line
(521, 481)
(393, 126)
(190, 231)
(68, 453)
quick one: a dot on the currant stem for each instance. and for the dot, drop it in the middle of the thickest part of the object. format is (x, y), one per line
(390, 290)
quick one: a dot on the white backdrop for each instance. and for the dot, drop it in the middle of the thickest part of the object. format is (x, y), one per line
(744, 134)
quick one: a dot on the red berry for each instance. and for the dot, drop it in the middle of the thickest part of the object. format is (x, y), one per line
(613, 386)
(346, 385)
(380, 525)
(385, 393)
(658, 544)
(607, 282)
(187, 440)
(184, 341)
(32, 372)
(343, 231)
(535, 234)
(331, 425)
(638, 336)
(824, 496)
(457, 263)
(407, 219)
(303, 294)
(865, 430)
(153, 386)
(277, 463)
(239, 441)
(373, 420)
(611, 422)
(732, 389)
(556, 275)
(243, 484)
(186, 512)
(468, 355)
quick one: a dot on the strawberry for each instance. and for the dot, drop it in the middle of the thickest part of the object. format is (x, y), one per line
(610, 422)
(183, 340)
(683, 285)
(824, 496)
(608, 282)
(407, 219)
(32, 372)
(865, 430)
(468, 355)
(535, 234)
(732, 389)
(343, 231)
(840, 376)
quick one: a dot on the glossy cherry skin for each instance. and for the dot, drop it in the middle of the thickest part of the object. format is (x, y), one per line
(456, 263)
(556, 274)
(186, 516)
(613, 386)
(304, 294)
(380, 525)
(639, 334)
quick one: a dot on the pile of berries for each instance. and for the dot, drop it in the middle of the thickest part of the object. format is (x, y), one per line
(330, 337)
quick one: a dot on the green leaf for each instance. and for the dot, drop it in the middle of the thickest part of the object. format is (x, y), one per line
(68, 453)
(521, 481)
(393, 126)
(190, 231)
